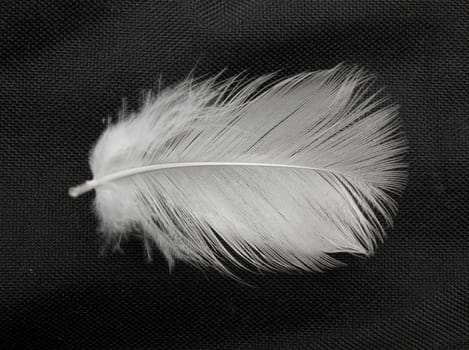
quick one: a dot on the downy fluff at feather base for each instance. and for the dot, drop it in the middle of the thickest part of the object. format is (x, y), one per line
(266, 174)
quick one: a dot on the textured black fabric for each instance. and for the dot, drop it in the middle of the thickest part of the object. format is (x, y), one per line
(66, 66)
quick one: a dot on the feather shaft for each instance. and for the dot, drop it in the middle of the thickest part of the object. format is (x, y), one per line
(92, 184)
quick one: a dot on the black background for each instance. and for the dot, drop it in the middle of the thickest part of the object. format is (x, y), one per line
(67, 65)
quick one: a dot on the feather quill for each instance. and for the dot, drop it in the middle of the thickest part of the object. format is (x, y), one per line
(275, 174)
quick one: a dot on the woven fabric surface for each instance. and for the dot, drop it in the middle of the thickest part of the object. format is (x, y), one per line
(66, 66)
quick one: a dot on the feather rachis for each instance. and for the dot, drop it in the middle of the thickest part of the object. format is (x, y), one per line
(274, 174)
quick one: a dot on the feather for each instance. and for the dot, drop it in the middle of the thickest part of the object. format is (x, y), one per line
(266, 174)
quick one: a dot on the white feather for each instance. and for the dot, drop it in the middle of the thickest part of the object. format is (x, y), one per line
(273, 174)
